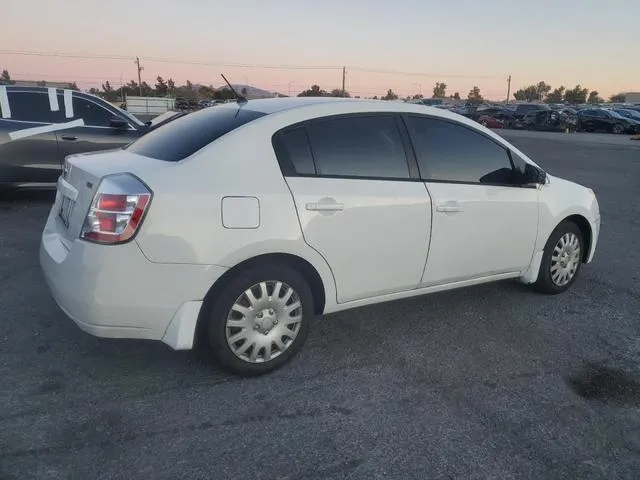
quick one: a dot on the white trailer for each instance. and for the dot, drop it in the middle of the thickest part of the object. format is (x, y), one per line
(149, 106)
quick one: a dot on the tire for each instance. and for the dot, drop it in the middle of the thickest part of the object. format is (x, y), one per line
(618, 129)
(550, 281)
(260, 324)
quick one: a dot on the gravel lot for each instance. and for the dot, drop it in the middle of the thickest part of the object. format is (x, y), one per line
(489, 382)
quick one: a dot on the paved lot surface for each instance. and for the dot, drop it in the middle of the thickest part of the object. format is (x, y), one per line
(490, 382)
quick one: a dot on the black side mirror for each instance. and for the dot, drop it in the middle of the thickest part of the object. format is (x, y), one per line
(119, 123)
(534, 175)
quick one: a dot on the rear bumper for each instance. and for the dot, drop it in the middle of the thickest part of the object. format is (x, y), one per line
(114, 291)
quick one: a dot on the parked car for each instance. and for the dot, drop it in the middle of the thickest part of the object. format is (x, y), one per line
(229, 228)
(40, 126)
(549, 121)
(490, 122)
(628, 113)
(523, 110)
(600, 119)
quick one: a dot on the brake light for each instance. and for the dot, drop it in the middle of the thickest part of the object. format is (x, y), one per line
(117, 210)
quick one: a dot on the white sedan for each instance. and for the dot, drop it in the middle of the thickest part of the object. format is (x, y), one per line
(231, 227)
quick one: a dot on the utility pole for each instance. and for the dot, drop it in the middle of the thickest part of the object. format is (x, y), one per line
(137, 62)
(508, 88)
(344, 74)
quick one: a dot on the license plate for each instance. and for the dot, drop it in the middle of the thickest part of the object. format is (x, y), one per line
(66, 206)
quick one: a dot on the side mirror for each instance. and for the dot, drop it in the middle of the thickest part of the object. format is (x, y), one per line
(534, 175)
(119, 123)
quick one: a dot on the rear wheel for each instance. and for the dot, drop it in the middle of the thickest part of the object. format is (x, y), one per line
(561, 260)
(261, 320)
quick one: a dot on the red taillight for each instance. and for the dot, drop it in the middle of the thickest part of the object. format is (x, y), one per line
(115, 217)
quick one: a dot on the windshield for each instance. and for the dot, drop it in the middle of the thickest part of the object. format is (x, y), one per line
(615, 114)
(628, 113)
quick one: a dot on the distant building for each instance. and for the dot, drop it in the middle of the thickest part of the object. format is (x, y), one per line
(632, 97)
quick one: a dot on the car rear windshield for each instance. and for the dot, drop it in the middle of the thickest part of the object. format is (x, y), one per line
(184, 136)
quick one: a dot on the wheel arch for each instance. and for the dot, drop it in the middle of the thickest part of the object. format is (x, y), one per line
(585, 229)
(304, 267)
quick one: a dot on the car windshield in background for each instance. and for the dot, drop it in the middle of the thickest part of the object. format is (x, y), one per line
(184, 136)
(628, 113)
(615, 114)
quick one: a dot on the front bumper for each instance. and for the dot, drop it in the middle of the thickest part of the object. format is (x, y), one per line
(114, 291)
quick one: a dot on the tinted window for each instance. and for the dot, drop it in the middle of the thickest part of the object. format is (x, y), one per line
(295, 152)
(32, 107)
(451, 152)
(359, 147)
(92, 113)
(186, 135)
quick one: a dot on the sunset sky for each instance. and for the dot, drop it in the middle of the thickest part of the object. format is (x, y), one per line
(460, 42)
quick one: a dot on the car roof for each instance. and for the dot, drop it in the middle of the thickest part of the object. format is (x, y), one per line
(276, 105)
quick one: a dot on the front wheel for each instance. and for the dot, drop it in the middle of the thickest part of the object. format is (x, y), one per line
(618, 129)
(561, 260)
(260, 320)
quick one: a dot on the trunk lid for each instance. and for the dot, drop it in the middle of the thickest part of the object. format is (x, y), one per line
(80, 179)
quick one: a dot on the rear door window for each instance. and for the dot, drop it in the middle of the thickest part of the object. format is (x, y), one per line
(32, 107)
(176, 140)
(358, 146)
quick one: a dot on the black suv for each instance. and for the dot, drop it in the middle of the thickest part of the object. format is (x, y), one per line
(40, 126)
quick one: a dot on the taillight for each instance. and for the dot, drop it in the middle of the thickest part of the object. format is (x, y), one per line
(117, 210)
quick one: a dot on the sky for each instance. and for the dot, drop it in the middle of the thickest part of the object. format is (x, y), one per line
(287, 45)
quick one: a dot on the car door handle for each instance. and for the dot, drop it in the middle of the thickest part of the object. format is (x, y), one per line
(68, 137)
(449, 207)
(324, 207)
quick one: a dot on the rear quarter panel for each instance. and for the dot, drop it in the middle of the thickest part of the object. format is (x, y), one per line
(184, 223)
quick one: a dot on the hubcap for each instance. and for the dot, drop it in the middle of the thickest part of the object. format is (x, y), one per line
(264, 321)
(565, 259)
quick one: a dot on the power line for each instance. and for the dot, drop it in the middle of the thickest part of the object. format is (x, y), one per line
(169, 60)
(243, 65)
(422, 74)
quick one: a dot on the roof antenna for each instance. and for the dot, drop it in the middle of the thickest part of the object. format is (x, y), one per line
(239, 98)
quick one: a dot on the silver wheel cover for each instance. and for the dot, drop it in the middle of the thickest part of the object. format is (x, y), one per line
(263, 321)
(565, 259)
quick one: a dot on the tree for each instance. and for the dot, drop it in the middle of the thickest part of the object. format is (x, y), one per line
(418, 96)
(109, 94)
(456, 96)
(338, 92)
(171, 86)
(576, 95)
(314, 91)
(243, 92)
(5, 78)
(474, 95)
(189, 85)
(617, 98)
(390, 95)
(556, 96)
(440, 90)
(224, 94)
(41, 83)
(73, 86)
(161, 87)
(594, 97)
(528, 94)
(94, 91)
(542, 89)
